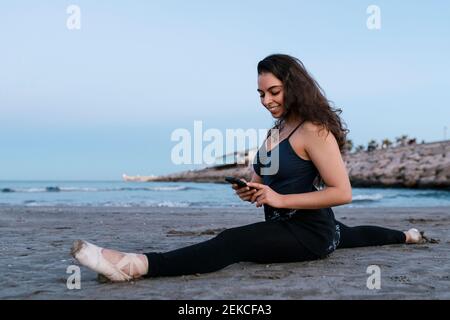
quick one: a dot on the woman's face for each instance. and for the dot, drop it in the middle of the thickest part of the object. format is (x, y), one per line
(270, 89)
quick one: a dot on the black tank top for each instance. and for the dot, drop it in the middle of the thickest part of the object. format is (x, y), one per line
(314, 228)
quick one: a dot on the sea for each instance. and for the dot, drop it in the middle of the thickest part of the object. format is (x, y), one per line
(183, 194)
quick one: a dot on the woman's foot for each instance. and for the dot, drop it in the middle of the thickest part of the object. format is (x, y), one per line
(413, 236)
(114, 265)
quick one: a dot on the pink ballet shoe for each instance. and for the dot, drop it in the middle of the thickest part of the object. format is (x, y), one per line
(90, 255)
(415, 236)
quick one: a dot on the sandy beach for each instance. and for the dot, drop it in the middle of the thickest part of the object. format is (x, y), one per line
(35, 244)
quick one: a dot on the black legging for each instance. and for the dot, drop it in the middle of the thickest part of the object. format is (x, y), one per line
(262, 242)
(365, 236)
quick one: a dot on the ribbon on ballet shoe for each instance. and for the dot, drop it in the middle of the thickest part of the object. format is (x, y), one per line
(134, 264)
(90, 255)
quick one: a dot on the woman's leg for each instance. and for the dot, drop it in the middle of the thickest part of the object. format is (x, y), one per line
(263, 242)
(114, 265)
(362, 236)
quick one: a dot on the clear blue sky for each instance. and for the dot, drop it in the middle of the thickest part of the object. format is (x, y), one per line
(103, 100)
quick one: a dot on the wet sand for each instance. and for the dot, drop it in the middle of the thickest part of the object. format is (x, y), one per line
(35, 247)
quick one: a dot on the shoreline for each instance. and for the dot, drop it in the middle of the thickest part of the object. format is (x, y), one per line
(36, 241)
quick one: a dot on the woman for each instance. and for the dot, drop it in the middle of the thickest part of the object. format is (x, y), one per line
(305, 146)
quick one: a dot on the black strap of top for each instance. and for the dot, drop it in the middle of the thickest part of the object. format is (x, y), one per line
(290, 134)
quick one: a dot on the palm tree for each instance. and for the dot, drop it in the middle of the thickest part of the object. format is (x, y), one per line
(348, 145)
(386, 143)
(412, 141)
(401, 141)
(373, 145)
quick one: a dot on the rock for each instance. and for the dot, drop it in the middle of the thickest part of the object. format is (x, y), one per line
(409, 166)
(52, 189)
(413, 166)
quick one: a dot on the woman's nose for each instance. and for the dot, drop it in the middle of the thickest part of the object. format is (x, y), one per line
(266, 100)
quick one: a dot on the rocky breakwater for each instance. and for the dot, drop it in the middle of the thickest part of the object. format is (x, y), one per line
(425, 165)
(210, 174)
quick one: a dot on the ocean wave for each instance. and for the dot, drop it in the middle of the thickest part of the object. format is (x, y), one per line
(175, 188)
(422, 194)
(170, 204)
(35, 203)
(28, 190)
(31, 190)
(173, 204)
(78, 189)
(169, 188)
(87, 189)
(367, 197)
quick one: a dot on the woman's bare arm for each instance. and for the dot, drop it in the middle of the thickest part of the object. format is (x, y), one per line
(323, 150)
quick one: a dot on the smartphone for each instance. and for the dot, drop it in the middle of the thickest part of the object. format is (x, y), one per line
(233, 180)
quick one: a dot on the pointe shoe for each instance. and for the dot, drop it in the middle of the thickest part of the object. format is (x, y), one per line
(415, 236)
(90, 255)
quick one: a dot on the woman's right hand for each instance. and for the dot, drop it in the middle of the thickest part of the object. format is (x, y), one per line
(245, 193)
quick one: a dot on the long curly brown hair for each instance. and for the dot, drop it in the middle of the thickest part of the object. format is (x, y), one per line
(303, 97)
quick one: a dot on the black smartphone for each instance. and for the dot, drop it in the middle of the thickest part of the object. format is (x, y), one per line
(233, 180)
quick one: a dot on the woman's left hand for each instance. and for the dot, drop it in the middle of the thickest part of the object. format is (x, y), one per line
(265, 195)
